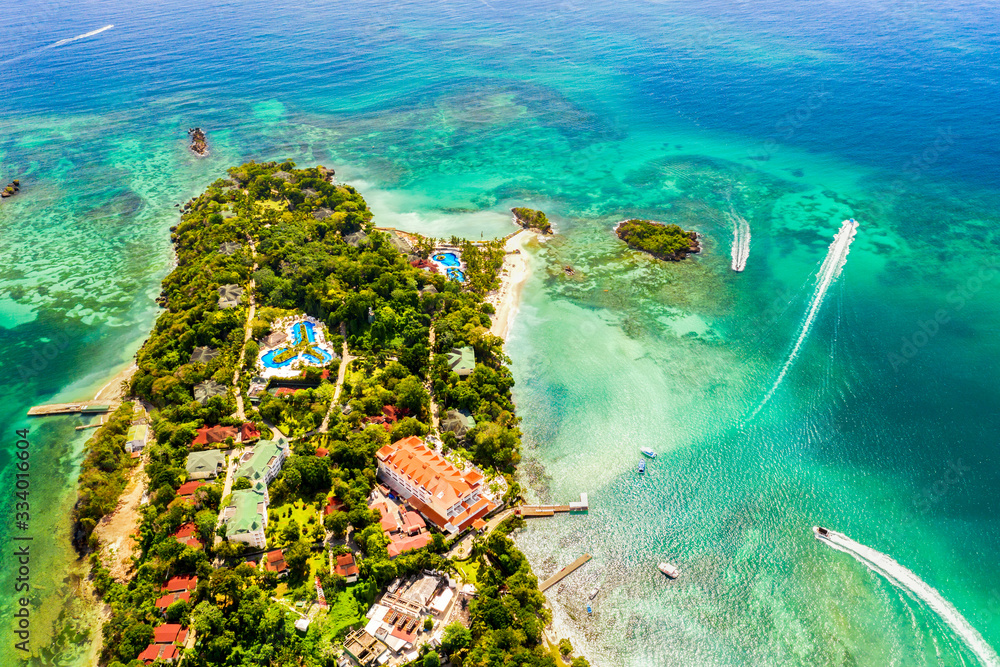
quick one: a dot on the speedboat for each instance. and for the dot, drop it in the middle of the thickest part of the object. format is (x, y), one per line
(820, 532)
(589, 609)
(593, 593)
(669, 570)
(648, 452)
(642, 466)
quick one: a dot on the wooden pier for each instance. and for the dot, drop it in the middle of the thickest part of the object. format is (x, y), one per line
(85, 408)
(563, 573)
(533, 511)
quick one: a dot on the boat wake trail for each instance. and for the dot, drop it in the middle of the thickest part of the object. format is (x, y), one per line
(741, 241)
(910, 583)
(73, 39)
(830, 270)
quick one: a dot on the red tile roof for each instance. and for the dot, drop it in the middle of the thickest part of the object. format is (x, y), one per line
(334, 505)
(210, 435)
(346, 567)
(389, 522)
(154, 652)
(182, 582)
(397, 547)
(249, 431)
(446, 484)
(322, 451)
(275, 561)
(169, 633)
(413, 522)
(171, 598)
(188, 534)
(188, 488)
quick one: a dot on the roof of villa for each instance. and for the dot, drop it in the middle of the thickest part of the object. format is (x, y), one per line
(462, 360)
(275, 338)
(355, 239)
(211, 435)
(204, 354)
(458, 422)
(230, 295)
(229, 247)
(206, 461)
(256, 467)
(207, 389)
(248, 509)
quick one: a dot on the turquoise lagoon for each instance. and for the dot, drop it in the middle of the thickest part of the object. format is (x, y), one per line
(446, 114)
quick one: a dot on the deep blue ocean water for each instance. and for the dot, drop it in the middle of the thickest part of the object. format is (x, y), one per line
(788, 116)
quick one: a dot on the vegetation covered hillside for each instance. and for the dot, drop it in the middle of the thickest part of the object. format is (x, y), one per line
(668, 242)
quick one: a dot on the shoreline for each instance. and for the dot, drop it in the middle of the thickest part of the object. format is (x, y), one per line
(513, 274)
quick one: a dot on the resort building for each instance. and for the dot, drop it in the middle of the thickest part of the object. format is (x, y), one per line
(246, 517)
(205, 465)
(462, 361)
(136, 438)
(446, 496)
(264, 463)
(363, 648)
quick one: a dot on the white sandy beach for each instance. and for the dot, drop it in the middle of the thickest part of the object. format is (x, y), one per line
(512, 277)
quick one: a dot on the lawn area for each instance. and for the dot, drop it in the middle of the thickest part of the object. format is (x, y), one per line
(279, 518)
(468, 570)
(344, 612)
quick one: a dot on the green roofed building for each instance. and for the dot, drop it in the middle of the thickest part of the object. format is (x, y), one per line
(205, 465)
(264, 463)
(246, 516)
(462, 360)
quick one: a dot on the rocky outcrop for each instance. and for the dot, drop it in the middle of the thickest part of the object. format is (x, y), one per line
(199, 143)
(12, 189)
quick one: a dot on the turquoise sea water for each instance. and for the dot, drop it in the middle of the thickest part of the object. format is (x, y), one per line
(789, 116)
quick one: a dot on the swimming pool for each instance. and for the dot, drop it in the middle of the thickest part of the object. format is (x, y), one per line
(450, 262)
(314, 355)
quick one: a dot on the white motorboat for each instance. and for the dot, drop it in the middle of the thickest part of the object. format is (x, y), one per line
(648, 452)
(593, 593)
(669, 570)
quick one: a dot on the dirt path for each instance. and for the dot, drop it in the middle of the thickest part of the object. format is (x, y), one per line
(240, 413)
(345, 358)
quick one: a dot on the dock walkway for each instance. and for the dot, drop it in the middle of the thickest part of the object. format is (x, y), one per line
(563, 573)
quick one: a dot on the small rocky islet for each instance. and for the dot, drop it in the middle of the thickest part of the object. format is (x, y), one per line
(668, 242)
(11, 189)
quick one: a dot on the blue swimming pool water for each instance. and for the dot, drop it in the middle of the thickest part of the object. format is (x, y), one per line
(310, 332)
(449, 259)
(268, 360)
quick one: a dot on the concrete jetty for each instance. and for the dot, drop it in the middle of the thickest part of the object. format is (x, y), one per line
(533, 511)
(86, 408)
(563, 573)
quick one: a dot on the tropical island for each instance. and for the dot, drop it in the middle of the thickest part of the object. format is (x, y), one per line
(356, 509)
(664, 241)
(529, 218)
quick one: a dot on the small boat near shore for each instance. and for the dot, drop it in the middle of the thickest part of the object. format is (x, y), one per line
(593, 593)
(646, 451)
(642, 466)
(669, 570)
